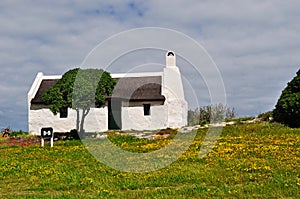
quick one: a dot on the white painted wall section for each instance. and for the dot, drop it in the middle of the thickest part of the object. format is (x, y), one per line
(172, 89)
(133, 118)
(95, 121)
(43, 117)
(35, 86)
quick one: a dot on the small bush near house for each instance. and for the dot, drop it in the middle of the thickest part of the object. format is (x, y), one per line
(74, 134)
(18, 133)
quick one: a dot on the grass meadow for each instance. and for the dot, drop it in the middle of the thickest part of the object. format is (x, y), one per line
(249, 161)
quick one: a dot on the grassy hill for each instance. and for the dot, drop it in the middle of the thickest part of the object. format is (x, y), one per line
(249, 161)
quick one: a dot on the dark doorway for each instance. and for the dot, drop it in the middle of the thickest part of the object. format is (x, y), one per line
(114, 114)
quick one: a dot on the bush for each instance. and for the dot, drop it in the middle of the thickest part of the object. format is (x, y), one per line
(210, 113)
(18, 133)
(287, 109)
(74, 134)
(267, 116)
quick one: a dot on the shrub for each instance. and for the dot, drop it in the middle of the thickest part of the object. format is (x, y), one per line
(74, 134)
(210, 113)
(266, 116)
(17, 133)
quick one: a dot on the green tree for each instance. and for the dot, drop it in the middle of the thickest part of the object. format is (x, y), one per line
(80, 90)
(287, 109)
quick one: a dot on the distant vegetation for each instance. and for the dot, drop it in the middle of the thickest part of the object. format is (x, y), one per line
(267, 116)
(287, 109)
(209, 114)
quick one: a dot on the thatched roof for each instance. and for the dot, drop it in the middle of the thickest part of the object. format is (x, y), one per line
(46, 83)
(127, 88)
(139, 89)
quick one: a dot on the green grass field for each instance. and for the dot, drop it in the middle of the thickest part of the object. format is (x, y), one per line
(248, 161)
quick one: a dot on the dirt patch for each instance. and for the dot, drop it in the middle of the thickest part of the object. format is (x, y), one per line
(20, 141)
(166, 132)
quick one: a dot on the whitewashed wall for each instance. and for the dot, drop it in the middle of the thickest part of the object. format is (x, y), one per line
(39, 117)
(96, 120)
(133, 117)
(42, 117)
(172, 89)
(177, 113)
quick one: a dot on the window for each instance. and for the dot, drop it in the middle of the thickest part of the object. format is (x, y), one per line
(146, 109)
(63, 113)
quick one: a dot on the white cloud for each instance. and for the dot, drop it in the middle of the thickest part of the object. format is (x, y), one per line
(255, 43)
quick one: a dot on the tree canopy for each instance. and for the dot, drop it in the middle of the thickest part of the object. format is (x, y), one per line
(287, 109)
(80, 90)
(60, 95)
(91, 87)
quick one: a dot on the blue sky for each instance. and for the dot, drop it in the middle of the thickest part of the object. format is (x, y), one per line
(254, 43)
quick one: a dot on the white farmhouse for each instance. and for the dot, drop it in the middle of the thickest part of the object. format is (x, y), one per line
(140, 101)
